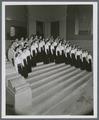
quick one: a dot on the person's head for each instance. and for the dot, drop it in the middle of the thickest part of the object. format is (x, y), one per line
(26, 39)
(22, 38)
(16, 40)
(40, 37)
(86, 51)
(36, 37)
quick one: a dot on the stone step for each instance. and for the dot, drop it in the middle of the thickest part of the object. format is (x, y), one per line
(53, 77)
(45, 94)
(10, 70)
(14, 74)
(45, 70)
(53, 82)
(46, 74)
(41, 106)
(41, 66)
(72, 104)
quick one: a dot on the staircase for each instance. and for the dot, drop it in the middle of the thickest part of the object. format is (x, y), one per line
(57, 89)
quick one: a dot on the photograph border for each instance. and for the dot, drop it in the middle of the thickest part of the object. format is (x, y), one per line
(95, 53)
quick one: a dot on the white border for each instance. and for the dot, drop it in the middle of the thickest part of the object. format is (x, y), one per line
(95, 7)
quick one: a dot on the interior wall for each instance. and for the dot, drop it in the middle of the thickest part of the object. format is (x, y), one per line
(14, 16)
(69, 26)
(79, 22)
(47, 14)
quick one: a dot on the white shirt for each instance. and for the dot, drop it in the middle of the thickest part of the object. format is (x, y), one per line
(41, 44)
(84, 54)
(54, 43)
(52, 48)
(18, 60)
(33, 47)
(10, 54)
(78, 53)
(62, 48)
(58, 49)
(36, 45)
(68, 49)
(28, 52)
(46, 47)
(73, 51)
(48, 43)
(89, 57)
(24, 55)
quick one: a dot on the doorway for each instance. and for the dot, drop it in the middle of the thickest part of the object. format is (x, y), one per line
(55, 29)
(40, 28)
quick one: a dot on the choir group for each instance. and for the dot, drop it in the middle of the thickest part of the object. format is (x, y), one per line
(26, 53)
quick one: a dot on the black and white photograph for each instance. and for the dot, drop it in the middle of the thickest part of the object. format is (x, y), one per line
(49, 55)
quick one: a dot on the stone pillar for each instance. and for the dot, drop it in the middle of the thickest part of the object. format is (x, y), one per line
(31, 26)
(91, 26)
(21, 94)
(62, 30)
(62, 25)
(76, 26)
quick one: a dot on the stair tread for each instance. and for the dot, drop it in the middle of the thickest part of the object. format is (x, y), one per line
(71, 103)
(43, 71)
(45, 74)
(52, 77)
(52, 84)
(34, 72)
(42, 106)
(46, 93)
